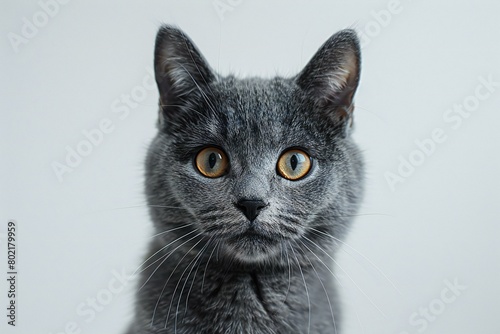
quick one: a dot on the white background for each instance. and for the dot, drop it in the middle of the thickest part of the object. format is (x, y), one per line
(440, 224)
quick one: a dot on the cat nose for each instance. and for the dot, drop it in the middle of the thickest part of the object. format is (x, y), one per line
(251, 208)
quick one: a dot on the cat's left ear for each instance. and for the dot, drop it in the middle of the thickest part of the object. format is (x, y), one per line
(331, 77)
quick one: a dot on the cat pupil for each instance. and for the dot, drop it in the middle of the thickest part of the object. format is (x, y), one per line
(212, 159)
(294, 161)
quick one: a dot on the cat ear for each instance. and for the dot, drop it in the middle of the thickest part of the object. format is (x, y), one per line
(181, 71)
(331, 77)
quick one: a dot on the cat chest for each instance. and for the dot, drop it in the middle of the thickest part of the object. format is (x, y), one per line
(246, 304)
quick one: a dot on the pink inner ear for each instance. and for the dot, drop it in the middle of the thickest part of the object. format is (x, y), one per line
(345, 74)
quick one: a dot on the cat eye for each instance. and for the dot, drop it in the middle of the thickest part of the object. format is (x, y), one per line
(294, 164)
(212, 162)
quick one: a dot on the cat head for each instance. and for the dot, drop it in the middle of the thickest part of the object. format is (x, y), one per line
(255, 164)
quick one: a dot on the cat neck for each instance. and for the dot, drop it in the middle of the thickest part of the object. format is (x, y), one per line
(209, 286)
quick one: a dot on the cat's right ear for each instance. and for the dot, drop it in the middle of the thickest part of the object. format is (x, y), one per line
(181, 71)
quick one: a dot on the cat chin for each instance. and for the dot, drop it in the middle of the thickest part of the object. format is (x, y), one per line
(252, 249)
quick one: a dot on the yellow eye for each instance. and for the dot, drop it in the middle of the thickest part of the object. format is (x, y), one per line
(211, 162)
(294, 164)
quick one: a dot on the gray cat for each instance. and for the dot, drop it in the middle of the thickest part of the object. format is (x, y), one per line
(251, 184)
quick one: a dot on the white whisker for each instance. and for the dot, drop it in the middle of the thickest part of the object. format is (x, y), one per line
(179, 281)
(160, 258)
(360, 254)
(349, 276)
(195, 260)
(165, 259)
(307, 291)
(194, 278)
(323, 286)
(164, 247)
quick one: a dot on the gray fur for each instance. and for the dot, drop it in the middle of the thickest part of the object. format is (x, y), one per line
(204, 277)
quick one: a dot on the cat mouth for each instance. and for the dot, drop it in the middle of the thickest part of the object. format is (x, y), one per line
(253, 245)
(253, 236)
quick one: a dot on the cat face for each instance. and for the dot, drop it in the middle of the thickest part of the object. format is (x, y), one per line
(254, 164)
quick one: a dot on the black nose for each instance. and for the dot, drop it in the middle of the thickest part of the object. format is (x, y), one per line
(251, 208)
